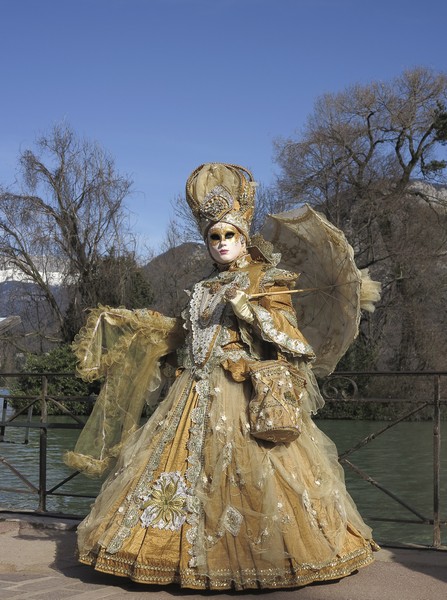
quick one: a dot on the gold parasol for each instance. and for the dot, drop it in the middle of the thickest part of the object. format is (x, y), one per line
(333, 288)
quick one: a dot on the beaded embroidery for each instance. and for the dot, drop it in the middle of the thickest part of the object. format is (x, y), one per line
(232, 520)
(195, 444)
(165, 504)
(271, 334)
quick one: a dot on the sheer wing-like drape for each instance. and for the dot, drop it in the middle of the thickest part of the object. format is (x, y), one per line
(123, 348)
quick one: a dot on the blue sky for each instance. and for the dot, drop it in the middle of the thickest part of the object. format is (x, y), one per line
(165, 85)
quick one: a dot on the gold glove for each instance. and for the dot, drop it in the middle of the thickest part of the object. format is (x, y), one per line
(241, 306)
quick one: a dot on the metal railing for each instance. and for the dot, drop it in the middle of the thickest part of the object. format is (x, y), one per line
(22, 418)
(339, 388)
(342, 386)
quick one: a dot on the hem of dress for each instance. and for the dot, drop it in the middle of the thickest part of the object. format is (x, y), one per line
(291, 577)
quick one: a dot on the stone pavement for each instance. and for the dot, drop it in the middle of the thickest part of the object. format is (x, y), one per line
(37, 561)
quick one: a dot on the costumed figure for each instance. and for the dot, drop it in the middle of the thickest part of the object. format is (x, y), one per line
(229, 484)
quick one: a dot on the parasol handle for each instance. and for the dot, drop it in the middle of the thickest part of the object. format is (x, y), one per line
(315, 289)
(262, 294)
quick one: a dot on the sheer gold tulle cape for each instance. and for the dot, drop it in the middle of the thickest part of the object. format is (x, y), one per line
(124, 348)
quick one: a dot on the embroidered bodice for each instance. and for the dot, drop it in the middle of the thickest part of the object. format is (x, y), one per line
(214, 333)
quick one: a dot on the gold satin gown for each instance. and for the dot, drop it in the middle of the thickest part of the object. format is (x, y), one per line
(195, 499)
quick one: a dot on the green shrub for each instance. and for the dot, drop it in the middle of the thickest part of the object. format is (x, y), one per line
(59, 360)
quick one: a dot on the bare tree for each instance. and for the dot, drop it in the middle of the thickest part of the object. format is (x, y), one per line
(66, 216)
(357, 161)
(368, 141)
(182, 227)
(269, 200)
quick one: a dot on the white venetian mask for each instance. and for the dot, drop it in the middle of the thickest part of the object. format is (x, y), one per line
(225, 243)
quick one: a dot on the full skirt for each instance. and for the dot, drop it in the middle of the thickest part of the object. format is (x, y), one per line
(196, 500)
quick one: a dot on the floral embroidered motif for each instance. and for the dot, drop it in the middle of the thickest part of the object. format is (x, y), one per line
(278, 276)
(165, 505)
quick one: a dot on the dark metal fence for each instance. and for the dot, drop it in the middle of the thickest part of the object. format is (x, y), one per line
(339, 388)
(343, 387)
(22, 419)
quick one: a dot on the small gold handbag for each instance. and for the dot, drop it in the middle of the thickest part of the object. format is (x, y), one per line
(274, 409)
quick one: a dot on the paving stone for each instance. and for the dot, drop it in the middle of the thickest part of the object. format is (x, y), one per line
(39, 563)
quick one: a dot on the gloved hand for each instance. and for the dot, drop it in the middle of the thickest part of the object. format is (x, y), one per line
(241, 305)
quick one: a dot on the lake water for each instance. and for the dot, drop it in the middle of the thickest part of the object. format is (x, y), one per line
(400, 460)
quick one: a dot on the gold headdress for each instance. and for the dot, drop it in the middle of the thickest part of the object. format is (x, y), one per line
(220, 192)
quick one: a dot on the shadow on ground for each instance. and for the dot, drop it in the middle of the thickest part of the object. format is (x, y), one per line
(432, 563)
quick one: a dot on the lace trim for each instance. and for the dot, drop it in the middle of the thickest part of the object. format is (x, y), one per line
(195, 445)
(270, 333)
(206, 310)
(279, 276)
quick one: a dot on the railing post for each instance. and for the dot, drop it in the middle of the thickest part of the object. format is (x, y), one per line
(43, 447)
(436, 460)
(4, 409)
(29, 423)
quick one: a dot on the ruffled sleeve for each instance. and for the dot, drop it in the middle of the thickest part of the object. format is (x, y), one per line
(122, 347)
(275, 317)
